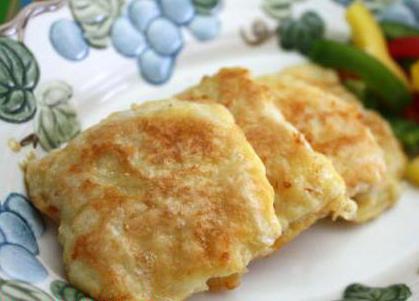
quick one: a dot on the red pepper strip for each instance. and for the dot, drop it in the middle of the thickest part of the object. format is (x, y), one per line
(404, 48)
(412, 111)
(345, 75)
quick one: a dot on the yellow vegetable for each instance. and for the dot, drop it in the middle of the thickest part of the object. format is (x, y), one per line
(367, 35)
(414, 72)
(412, 171)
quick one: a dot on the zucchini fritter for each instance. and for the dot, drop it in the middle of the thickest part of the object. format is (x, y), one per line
(384, 194)
(155, 201)
(307, 187)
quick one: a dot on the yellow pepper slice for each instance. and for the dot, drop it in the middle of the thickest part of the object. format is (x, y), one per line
(412, 171)
(414, 73)
(367, 35)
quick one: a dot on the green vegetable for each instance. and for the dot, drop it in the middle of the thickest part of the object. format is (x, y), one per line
(300, 34)
(358, 292)
(381, 81)
(357, 88)
(406, 64)
(393, 30)
(360, 90)
(407, 132)
(19, 75)
(5, 7)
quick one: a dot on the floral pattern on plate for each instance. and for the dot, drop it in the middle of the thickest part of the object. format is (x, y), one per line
(149, 31)
(56, 119)
(402, 11)
(19, 75)
(15, 290)
(20, 227)
(63, 291)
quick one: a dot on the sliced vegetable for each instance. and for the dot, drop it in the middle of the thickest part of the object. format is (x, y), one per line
(412, 171)
(406, 64)
(404, 47)
(393, 30)
(377, 77)
(414, 74)
(367, 35)
(355, 86)
(360, 90)
(407, 132)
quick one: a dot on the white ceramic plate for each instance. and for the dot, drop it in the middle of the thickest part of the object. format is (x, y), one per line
(317, 265)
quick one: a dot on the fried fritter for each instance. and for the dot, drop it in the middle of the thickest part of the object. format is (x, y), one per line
(323, 78)
(333, 127)
(386, 193)
(155, 201)
(307, 187)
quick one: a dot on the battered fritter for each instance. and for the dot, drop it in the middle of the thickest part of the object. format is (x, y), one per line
(306, 185)
(333, 127)
(155, 201)
(384, 194)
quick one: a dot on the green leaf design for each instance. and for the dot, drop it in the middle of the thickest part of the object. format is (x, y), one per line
(300, 34)
(63, 291)
(19, 75)
(278, 9)
(359, 292)
(206, 7)
(13, 290)
(96, 18)
(56, 121)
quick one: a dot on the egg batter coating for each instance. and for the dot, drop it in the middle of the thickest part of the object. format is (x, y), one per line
(386, 193)
(155, 201)
(333, 127)
(307, 187)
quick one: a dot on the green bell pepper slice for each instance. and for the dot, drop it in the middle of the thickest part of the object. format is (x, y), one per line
(393, 93)
(393, 30)
(407, 132)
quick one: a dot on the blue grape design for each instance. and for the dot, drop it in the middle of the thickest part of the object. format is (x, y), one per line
(149, 31)
(404, 11)
(20, 227)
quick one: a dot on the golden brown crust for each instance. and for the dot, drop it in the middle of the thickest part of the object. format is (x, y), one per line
(386, 193)
(395, 158)
(304, 181)
(304, 223)
(152, 203)
(223, 283)
(306, 185)
(233, 281)
(334, 128)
